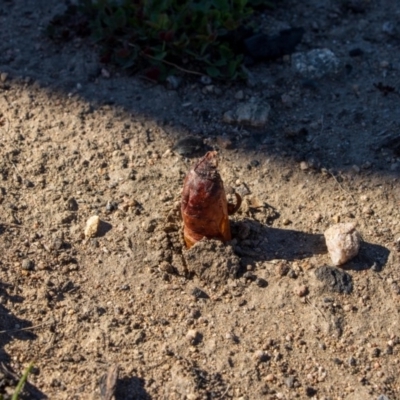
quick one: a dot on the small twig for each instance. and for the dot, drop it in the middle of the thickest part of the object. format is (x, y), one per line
(108, 383)
(312, 305)
(10, 225)
(226, 391)
(188, 71)
(28, 328)
(341, 187)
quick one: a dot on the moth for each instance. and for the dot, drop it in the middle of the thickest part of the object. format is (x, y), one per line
(204, 205)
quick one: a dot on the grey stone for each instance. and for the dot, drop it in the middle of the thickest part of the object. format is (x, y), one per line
(289, 381)
(252, 113)
(27, 264)
(335, 279)
(315, 63)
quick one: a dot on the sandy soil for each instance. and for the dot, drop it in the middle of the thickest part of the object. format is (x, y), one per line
(80, 139)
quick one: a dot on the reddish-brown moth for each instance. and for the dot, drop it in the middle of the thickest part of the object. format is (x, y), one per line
(204, 206)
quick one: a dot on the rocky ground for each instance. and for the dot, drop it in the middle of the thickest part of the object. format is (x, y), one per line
(266, 316)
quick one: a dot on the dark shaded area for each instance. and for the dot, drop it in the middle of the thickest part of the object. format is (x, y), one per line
(335, 279)
(131, 388)
(104, 228)
(262, 47)
(12, 329)
(371, 256)
(284, 244)
(191, 146)
(391, 142)
(289, 244)
(318, 148)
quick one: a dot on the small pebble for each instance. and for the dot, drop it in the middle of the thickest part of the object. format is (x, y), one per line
(261, 356)
(270, 378)
(165, 266)
(27, 264)
(92, 226)
(3, 76)
(283, 269)
(310, 391)
(301, 290)
(286, 221)
(317, 217)
(304, 166)
(389, 28)
(367, 210)
(292, 274)
(173, 82)
(205, 80)
(343, 242)
(239, 95)
(193, 336)
(289, 381)
(352, 361)
(260, 282)
(376, 352)
(111, 205)
(383, 397)
(384, 64)
(198, 293)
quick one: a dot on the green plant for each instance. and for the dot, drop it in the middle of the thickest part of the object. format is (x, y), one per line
(21, 383)
(168, 34)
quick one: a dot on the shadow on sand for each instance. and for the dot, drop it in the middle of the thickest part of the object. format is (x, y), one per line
(13, 328)
(265, 243)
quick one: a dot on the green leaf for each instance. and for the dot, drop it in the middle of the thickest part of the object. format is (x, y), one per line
(213, 72)
(160, 55)
(22, 381)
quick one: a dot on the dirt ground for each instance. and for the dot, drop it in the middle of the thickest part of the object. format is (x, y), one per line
(79, 138)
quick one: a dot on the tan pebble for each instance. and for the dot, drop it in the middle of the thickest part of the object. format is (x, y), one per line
(270, 377)
(336, 219)
(343, 242)
(3, 76)
(304, 166)
(92, 226)
(367, 210)
(286, 221)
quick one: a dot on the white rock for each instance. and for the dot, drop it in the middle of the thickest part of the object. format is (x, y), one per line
(343, 242)
(315, 63)
(92, 226)
(251, 113)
